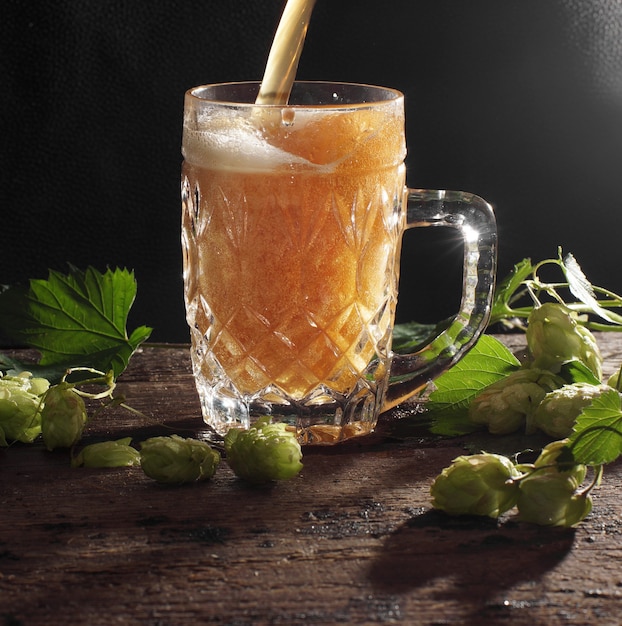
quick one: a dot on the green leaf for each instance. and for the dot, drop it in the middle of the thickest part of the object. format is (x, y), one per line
(409, 335)
(597, 436)
(582, 289)
(488, 361)
(577, 372)
(75, 320)
(506, 291)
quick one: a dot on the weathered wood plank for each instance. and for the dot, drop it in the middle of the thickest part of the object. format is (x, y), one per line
(350, 540)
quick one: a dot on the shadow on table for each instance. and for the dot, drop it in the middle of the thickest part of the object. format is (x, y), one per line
(467, 560)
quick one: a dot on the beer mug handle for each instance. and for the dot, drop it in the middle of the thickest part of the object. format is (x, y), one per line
(474, 218)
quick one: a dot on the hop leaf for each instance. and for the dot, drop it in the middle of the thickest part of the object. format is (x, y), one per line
(597, 437)
(487, 362)
(176, 460)
(117, 453)
(479, 484)
(506, 291)
(581, 288)
(63, 417)
(74, 320)
(264, 452)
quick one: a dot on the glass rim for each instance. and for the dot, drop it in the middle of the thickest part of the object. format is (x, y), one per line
(379, 95)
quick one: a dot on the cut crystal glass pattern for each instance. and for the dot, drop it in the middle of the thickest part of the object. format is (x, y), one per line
(291, 308)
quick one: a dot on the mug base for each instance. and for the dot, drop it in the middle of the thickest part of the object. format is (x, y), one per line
(315, 424)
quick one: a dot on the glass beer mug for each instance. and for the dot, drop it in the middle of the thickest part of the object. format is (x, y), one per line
(292, 228)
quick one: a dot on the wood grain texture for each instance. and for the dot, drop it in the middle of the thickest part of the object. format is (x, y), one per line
(351, 540)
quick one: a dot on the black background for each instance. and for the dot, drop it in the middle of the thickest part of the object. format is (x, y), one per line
(519, 101)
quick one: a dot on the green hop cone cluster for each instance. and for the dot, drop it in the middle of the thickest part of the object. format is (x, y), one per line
(175, 460)
(555, 337)
(480, 484)
(117, 453)
(557, 413)
(506, 405)
(545, 493)
(264, 452)
(63, 417)
(549, 494)
(20, 407)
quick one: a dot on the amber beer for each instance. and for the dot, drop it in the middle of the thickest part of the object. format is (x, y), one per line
(292, 218)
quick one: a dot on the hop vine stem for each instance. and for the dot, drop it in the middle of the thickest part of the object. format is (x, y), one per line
(534, 287)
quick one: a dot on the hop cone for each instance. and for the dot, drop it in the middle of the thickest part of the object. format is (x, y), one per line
(479, 484)
(555, 458)
(554, 337)
(63, 417)
(558, 411)
(177, 460)
(506, 405)
(20, 407)
(549, 495)
(551, 499)
(264, 452)
(117, 453)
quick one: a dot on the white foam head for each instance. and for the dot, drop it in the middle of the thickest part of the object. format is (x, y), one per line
(228, 142)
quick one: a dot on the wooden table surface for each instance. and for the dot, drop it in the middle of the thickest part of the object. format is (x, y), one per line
(351, 540)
